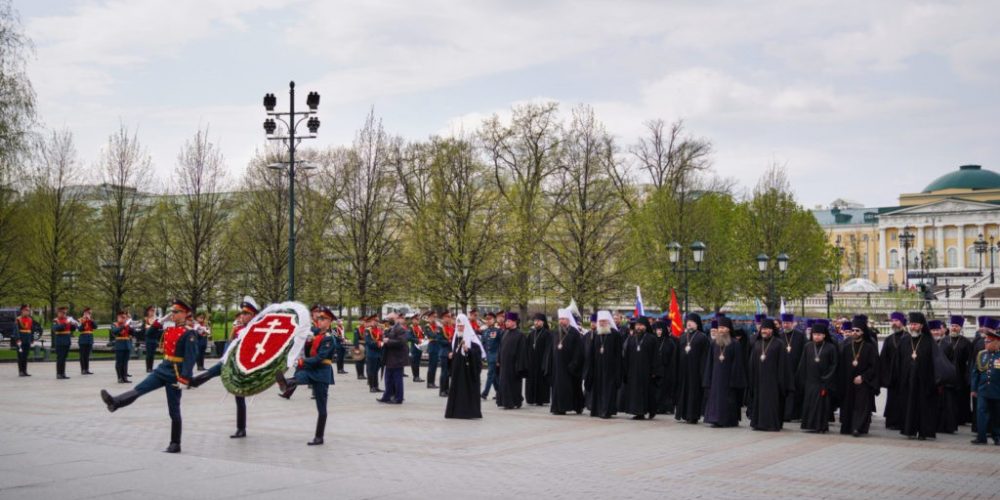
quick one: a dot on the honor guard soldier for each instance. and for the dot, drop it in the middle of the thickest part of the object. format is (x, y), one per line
(985, 378)
(86, 340)
(316, 369)
(121, 332)
(26, 328)
(248, 309)
(180, 348)
(202, 328)
(62, 339)
(492, 336)
(152, 330)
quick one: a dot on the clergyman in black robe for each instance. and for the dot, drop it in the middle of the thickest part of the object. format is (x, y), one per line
(795, 341)
(725, 378)
(464, 368)
(961, 354)
(692, 355)
(603, 370)
(915, 376)
(512, 364)
(666, 367)
(638, 383)
(857, 383)
(770, 379)
(818, 370)
(564, 365)
(893, 411)
(538, 387)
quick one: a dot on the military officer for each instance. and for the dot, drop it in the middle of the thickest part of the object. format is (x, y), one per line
(62, 338)
(492, 336)
(316, 369)
(180, 349)
(433, 356)
(152, 330)
(248, 309)
(121, 332)
(86, 340)
(26, 328)
(985, 383)
(415, 335)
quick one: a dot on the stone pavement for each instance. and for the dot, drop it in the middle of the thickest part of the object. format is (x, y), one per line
(57, 441)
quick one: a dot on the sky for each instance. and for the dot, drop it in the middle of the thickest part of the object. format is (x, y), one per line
(859, 100)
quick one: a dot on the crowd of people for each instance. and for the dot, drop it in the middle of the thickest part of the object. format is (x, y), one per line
(778, 372)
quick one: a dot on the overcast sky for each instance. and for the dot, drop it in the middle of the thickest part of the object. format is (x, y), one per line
(859, 99)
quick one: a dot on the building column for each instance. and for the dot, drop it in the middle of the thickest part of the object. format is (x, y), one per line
(882, 252)
(939, 245)
(961, 246)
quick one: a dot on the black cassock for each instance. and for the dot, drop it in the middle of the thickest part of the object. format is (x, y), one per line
(857, 400)
(961, 354)
(463, 394)
(691, 358)
(602, 373)
(947, 422)
(795, 341)
(641, 356)
(820, 379)
(770, 383)
(564, 366)
(724, 381)
(538, 387)
(512, 358)
(666, 378)
(916, 381)
(893, 411)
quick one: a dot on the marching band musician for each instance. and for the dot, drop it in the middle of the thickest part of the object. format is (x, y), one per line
(338, 331)
(152, 332)
(416, 337)
(315, 369)
(204, 331)
(86, 340)
(373, 353)
(121, 332)
(180, 348)
(248, 309)
(62, 337)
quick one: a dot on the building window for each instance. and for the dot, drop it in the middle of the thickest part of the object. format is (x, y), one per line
(951, 257)
(971, 258)
(893, 259)
(971, 232)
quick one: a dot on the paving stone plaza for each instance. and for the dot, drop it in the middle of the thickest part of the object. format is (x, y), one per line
(57, 441)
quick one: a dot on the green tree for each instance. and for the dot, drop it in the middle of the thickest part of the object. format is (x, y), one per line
(773, 223)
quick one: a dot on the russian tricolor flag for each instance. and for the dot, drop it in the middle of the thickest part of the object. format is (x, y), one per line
(639, 310)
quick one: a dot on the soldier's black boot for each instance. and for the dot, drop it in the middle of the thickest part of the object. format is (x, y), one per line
(320, 428)
(241, 423)
(120, 401)
(175, 437)
(287, 387)
(199, 379)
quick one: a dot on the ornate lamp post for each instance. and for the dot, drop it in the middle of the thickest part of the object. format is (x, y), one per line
(769, 276)
(906, 239)
(697, 256)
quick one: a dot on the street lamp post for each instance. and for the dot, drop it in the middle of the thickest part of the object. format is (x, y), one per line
(907, 240)
(829, 296)
(291, 121)
(767, 273)
(697, 255)
(981, 247)
(994, 248)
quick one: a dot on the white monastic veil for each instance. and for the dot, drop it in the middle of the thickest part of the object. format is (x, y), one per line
(469, 336)
(568, 314)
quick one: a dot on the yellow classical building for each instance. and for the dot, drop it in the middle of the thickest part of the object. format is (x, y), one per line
(937, 229)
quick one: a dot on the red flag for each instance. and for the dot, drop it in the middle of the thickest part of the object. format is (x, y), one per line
(676, 325)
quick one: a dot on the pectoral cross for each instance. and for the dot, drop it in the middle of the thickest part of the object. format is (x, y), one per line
(272, 328)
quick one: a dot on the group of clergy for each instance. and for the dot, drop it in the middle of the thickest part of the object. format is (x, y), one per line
(774, 374)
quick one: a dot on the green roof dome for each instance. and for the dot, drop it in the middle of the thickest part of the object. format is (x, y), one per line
(966, 177)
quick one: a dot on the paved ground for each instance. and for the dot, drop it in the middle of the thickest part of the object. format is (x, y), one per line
(58, 441)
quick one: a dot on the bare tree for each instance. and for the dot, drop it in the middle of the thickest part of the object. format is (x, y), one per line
(453, 213)
(56, 219)
(525, 156)
(366, 211)
(192, 231)
(586, 240)
(17, 96)
(124, 167)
